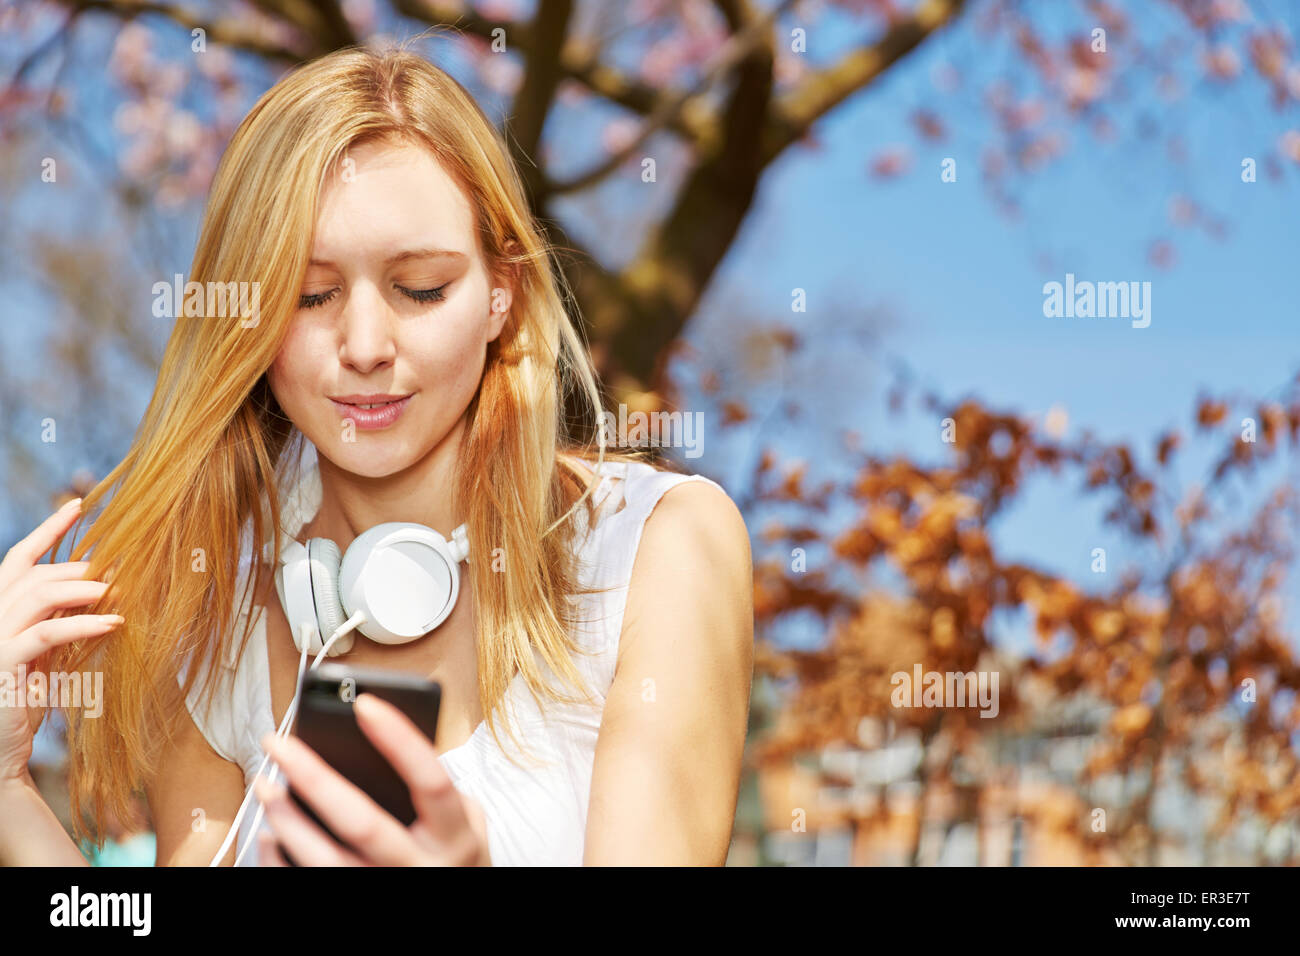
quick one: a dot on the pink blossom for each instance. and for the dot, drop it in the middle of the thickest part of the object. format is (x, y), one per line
(181, 134)
(360, 14)
(1289, 145)
(891, 162)
(618, 134)
(499, 9)
(501, 73)
(1222, 62)
(662, 60)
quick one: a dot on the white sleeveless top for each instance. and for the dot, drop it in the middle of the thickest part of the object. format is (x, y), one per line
(536, 814)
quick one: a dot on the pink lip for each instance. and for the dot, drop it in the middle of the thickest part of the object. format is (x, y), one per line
(370, 398)
(371, 419)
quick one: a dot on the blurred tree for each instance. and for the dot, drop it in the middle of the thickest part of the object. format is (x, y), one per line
(1185, 652)
(635, 311)
(717, 93)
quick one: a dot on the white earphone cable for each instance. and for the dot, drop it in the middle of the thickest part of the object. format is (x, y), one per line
(356, 620)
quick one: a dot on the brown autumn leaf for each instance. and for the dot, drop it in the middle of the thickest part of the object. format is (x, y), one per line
(734, 413)
(1131, 720)
(1210, 413)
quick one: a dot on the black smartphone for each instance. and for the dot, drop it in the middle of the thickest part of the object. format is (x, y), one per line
(327, 724)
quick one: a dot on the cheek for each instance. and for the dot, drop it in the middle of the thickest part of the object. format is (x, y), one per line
(291, 374)
(275, 379)
(451, 358)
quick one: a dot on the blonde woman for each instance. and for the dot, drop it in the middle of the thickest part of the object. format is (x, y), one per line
(605, 619)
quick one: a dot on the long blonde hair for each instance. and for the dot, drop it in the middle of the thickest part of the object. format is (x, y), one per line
(193, 491)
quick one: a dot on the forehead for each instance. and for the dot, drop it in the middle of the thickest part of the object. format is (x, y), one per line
(384, 195)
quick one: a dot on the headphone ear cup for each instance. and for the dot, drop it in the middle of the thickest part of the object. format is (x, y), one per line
(293, 584)
(403, 577)
(325, 560)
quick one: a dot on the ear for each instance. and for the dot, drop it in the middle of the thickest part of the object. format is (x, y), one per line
(502, 299)
(504, 283)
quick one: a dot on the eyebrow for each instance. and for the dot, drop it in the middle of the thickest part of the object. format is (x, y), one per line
(404, 256)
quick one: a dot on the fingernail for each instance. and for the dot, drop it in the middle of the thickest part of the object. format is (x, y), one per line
(112, 620)
(72, 505)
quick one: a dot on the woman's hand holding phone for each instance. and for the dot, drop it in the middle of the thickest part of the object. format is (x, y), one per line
(449, 830)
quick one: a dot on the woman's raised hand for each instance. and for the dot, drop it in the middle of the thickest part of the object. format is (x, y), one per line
(30, 592)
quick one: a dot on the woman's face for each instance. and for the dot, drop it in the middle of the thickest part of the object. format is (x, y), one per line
(396, 303)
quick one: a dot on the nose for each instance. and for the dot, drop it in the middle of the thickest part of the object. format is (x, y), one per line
(366, 340)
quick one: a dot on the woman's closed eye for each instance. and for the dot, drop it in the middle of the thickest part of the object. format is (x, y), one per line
(312, 300)
(425, 295)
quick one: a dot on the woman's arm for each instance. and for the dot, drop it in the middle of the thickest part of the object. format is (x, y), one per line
(32, 835)
(193, 799)
(667, 767)
(192, 777)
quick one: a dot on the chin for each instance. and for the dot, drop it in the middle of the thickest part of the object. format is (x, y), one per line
(370, 457)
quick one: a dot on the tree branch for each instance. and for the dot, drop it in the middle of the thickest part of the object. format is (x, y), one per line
(667, 278)
(738, 47)
(542, 74)
(738, 13)
(322, 20)
(796, 111)
(229, 32)
(451, 13)
(577, 61)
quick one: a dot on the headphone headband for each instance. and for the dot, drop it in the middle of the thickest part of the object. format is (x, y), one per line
(292, 548)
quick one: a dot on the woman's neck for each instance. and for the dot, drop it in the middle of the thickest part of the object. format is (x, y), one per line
(422, 493)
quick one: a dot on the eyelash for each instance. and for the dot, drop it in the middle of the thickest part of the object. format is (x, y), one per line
(418, 295)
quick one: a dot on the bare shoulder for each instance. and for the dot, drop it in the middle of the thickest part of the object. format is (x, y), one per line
(694, 557)
(697, 519)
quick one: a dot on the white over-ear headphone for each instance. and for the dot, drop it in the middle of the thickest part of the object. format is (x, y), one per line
(397, 582)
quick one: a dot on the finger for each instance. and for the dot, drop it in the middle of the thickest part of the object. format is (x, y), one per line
(299, 836)
(40, 574)
(478, 823)
(44, 635)
(29, 550)
(416, 761)
(39, 602)
(345, 808)
(59, 571)
(268, 851)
